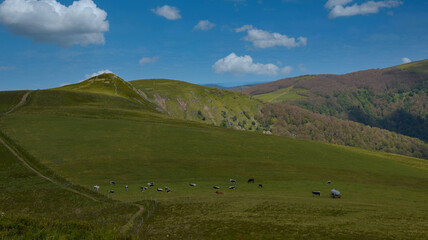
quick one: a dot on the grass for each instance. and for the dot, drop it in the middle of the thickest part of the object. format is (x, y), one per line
(9, 99)
(418, 67)
(33, 208)
(203, 104)
(88, 143)
(281, 95)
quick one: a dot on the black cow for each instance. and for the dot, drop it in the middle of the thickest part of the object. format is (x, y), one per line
(315, 193)
(112, 183)
(260, 185)
(111, 191)
(251, 180)
(216, 187)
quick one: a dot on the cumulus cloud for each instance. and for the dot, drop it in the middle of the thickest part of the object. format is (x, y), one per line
(245, 65)
(168, 12)
(50, 21)
(340, 8)
(146, 60)
(204, 25)
(286, 70)
(333, 3)
(406, 60)
(264, 39)
(97, 73)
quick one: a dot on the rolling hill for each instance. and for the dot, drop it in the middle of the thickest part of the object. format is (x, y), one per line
(393, 98)
(203, 104)
(93, 137)
(235, 110)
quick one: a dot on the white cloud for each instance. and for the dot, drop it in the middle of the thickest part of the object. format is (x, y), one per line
(168, 12)
(286, 70)
(146, 60)
(204, 25)
(50, 21)
(333, 3)
(245, 65)
(264, 39)
(97, 73)
(406, 60)
(338, 8)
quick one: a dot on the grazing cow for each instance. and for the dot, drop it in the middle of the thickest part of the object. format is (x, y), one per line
(260, 185)
(232, 187)
(159, 189)
(328, 182)
(112, 183)
(217, 192)
(192, 184)
(111, 191)
(232, 181)
(96, 187)
(151, 184)
(143, 189)
(315, 193)
(126, 187)
(335, 194)
(216, 187)
(168, 190)
(251, 180)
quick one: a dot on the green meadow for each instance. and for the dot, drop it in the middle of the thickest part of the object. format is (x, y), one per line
(91, 138)
(281, 95)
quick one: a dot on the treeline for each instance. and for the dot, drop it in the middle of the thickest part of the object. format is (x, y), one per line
(292, 121)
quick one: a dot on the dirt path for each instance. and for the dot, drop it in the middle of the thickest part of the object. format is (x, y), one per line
(131, 221)
(21, 103)
(23, 100)
(41, 175)
(26, 164)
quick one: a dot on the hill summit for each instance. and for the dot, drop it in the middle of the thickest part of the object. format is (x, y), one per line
(110, 84)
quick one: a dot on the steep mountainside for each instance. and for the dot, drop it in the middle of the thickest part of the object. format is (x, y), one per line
(209, 105)
(394, 98)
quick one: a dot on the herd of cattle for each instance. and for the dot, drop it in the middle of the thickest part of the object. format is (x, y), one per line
(334, 193)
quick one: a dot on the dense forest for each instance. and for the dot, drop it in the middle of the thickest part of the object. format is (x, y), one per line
(292, 121)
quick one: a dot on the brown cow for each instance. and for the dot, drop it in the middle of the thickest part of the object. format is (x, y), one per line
(217, 192)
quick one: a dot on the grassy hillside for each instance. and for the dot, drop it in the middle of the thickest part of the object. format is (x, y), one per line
(33, 208)
(9, 99)
(394, 98)
(384, 195)
(281, 95)
(209, 105)
(110, 84)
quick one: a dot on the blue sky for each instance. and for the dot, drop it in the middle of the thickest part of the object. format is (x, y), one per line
(46, 43)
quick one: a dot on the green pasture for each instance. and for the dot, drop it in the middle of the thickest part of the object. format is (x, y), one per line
(33, 208)
(89, 142)
(281, 95)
